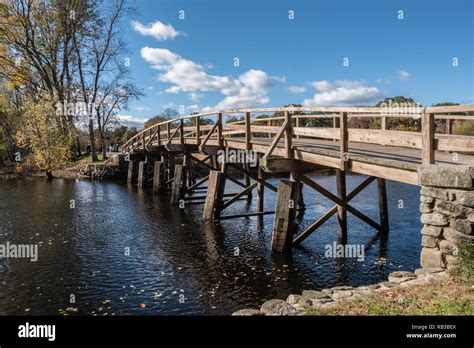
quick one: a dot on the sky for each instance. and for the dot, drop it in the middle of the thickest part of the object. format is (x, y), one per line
(201, 55)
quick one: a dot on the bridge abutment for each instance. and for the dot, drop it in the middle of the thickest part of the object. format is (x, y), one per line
(447, 207)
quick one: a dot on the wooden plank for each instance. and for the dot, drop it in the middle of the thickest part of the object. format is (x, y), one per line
(427, 137)
(209, 134)
(260, 189)
(339, 202)
(319, 132)
(283, 225)
(248, 132)
(238, 195)
(276, 140)
(198, 131)
(227, 217)
(310, 229)
(197, 184)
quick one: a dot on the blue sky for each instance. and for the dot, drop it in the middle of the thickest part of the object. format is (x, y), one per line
(188, 64)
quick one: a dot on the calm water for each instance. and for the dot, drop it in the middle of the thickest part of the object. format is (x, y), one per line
(177, 264)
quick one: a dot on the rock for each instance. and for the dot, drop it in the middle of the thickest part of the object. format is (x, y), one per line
(429, 242)
(455, 237)
(466, 198)
(386, 285)
(247, 312)
(435, 219)
(434, 192)
(431, 258)
(433, 270)
(313, 294)
(437, 275)
(293, 299)
(432, 231)
(426, 199)
(462, 226)
(416, 281)
(277, 307)
(470, 217)
(426, 208)
(450, 209)
(341, 294)
(420, 272)
(400, 276)
(447, 247)
(341, 287)
(451, 260)
(445, 175)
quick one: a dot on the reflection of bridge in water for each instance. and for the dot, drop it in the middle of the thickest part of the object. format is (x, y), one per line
(168, 153)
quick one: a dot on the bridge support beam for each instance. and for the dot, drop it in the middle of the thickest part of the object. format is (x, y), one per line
(260, 190)
(383, 205)
(215, 193)
(178, 183)
(158, 176)
(341, 211)
(131, 171)
(141, 173)
(285, 210)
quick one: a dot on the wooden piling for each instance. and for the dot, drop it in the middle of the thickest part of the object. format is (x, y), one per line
(383, 205)
(158, 176)
(341, 212)
(260, 190)
(177, 186)
(283, 225)
(215, 191)
(141, 173)
(130, 171)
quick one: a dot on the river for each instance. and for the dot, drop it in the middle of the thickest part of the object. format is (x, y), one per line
(108, 249)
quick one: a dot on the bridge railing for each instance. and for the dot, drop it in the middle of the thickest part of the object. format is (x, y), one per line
(288, 126)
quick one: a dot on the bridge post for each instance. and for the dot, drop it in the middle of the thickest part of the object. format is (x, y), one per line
(284, 225)
(131, 170)
(341, 212)
(427, 139)
(260, 190)
(383, 205)
(215, 191)
(141, 173)
(248, 147)
(158, 176)
(177, 186)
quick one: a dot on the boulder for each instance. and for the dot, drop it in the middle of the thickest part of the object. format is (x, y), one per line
(429, 242)
(447, 247)
(247, 312)
(277, 307)
(341, 294)
(432, 231)
(464, 226)
(456, 237)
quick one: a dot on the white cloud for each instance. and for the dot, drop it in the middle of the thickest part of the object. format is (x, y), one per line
(342, 93)
(403, 75)
(297, 89)
(248, 89)
(131, 121)
(142, 108)
(156, 29)
(195, 96)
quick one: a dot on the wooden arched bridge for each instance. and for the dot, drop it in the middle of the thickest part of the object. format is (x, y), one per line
(295, 140)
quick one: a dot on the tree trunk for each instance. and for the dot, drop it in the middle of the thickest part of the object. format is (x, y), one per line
(78, 146)
(49, 174)
(92, 139)
(102, 142)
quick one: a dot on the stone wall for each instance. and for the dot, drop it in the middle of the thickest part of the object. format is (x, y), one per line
(447, 202)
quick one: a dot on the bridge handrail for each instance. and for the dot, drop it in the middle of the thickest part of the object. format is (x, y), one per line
(338, 114)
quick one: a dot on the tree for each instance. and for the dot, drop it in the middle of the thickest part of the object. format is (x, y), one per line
(166, 115)
(401, 123)
(40, 132)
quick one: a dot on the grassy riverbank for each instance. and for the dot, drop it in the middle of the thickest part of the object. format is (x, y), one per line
(451, 296)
